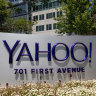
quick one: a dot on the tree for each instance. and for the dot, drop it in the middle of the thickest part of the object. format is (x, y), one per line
(23, 25)
(77, 17)
(31, 4)
(9, 24)
(3, 12)
(20, 25)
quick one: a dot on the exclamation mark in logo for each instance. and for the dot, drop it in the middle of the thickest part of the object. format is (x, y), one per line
(90, 52)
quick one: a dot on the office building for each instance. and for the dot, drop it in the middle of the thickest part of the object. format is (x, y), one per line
(43, 14)
(19, 4)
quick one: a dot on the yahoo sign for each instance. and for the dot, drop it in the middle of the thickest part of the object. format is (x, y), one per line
(36, 58)
(49, 51)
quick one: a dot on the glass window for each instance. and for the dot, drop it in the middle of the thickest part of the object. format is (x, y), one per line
(11, 0)
(36, 28)
(53, 14)
(59, 13)
(50, 15)
(23, 11)
(35, 17)
(39, 7)
(41, 17)
(29, 18)
(42, 27)
(46, 6)
(54, 4)
(47, 16)
(54, 26)
(58, 4)
(50, 5)
(36, 8)
(29, 9)
(43, 7)
(49, 27)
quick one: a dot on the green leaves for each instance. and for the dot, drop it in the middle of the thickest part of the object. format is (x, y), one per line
(19, 25)
(78, 18)
(9, 24)
(3, 11)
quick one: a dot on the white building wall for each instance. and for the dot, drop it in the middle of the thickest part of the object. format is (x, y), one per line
(44, 22)
(39, 22)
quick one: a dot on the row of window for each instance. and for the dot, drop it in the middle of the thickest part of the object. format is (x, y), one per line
(48, 16)
(48, 27)
(20, 10)
(41, 17)
(13, 0)
(50, 5)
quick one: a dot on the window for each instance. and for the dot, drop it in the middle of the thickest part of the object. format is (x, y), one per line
(36, 8)
(36, 28)
(54, 4)
(49, 27)
(20, 10)
(33, 8)
(50, 5)
(11, 0)
(47, 16)
(40, 28)
(39, 7)
(29, 17)
(35, 17)
(46, 6)
(41, 17)
(53, 14)
(54, 26)
(50, 15)
(59, 13)
(58, 4)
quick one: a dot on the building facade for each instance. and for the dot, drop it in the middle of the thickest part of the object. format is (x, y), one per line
(23, 12)
(43, 14)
